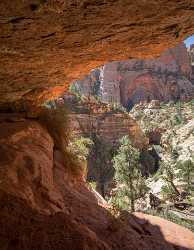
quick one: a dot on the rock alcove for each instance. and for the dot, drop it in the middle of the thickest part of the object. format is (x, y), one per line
(44, 45)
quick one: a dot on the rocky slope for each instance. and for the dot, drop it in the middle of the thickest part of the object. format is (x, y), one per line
(44, 206)
(45, 44)
(165, 78)
(170, 127)
(164, 122)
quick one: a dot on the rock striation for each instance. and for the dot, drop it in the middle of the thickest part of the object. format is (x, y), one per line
(46, 44)
(167, 78)
(44, 206)
(87, 118)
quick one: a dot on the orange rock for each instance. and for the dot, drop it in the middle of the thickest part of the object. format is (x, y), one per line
(47, 44)
(43, 206)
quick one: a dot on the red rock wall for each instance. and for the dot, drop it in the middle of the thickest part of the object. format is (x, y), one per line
(109, 127)
(43, 206)
(46, 44)
(165, 78)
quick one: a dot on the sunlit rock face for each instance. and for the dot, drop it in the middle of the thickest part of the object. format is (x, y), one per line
(46, 44)
(107, 124)
(167, 78)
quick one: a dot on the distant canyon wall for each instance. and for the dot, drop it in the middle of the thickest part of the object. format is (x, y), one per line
(166, 78)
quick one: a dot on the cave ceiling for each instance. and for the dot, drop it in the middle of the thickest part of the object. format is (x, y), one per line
(46, 44)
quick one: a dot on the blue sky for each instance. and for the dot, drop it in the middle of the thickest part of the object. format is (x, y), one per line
(189, 41)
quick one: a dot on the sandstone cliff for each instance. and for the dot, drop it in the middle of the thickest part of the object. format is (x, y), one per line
(129, 82)
(90, 117)
(45, 44)
(43, 206)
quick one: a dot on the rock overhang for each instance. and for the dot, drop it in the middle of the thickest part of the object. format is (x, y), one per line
(44, 44)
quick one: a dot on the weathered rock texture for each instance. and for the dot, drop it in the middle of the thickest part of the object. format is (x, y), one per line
(43, 206)
(87, 118)
(45, 44)
(129, 82)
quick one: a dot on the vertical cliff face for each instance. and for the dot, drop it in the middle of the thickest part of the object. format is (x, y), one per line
(129, 82)
(191, 55)
(108, 124)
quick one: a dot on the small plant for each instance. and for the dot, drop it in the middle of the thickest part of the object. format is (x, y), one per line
(80, 147)
(186, 174)
(56, 122)
(116, 107)
(168, 193)
(74, 88)
(92, 185)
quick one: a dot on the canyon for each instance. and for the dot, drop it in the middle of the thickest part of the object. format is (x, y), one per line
(166, 78)
(44, 46)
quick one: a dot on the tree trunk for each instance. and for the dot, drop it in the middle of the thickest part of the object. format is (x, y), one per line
(132, 205)
(174, 187)
(131, 195)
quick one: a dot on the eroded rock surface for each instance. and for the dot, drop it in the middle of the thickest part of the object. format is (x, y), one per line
(167, 78)
(44, 206)
(45, 44)
(90, 117)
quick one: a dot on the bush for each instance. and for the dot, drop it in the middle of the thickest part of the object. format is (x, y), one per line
(56, 122)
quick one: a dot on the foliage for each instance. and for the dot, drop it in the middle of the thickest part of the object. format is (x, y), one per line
(92, 185)
(56, 122)
(179, 118)
(116, 107)
(168, 193)
(131, 184)
(74, 88)
(80, 147)
(186, 174)
(96, 89)
(181, 171)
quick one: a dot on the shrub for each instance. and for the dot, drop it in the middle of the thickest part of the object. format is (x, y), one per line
(56, 122)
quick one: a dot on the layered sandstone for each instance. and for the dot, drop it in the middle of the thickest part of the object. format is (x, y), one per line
(105, 126)
(167, 78)
(44, 206)
(45, 44)
(106, 123)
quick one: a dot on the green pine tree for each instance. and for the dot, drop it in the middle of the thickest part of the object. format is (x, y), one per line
(186, 174)
(131, 184)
